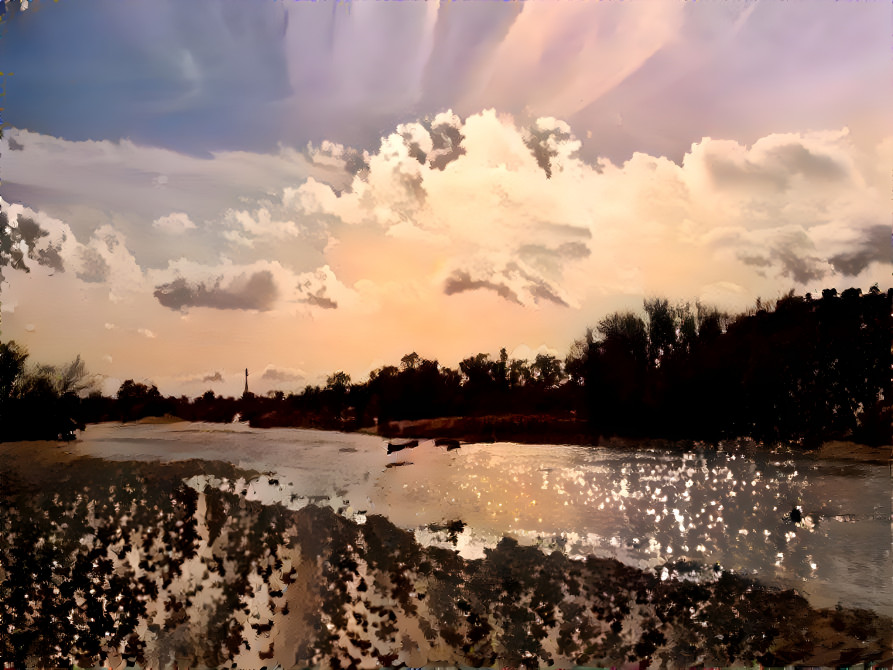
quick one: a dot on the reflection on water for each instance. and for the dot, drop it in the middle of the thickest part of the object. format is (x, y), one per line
(644, 507)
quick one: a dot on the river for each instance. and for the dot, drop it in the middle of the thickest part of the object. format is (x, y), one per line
(644, 506)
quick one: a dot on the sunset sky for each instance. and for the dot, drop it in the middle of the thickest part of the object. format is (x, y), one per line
(301, 187)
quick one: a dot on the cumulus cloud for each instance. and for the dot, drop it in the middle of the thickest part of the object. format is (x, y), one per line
(247, 226)
(321, 288)
(13, 145)
(256, 291)
(145, 332)
(338, 161)
(216, 377)
(104, 258)
(545, 139)
(174, 223)
(519, 214)
(446, 140)
(94, 267)
(133, 188)
(23, 239)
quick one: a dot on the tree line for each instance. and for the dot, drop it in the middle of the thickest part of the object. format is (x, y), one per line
(799, 369)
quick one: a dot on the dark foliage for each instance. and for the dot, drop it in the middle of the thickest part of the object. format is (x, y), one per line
(39, 403)
(800, 371)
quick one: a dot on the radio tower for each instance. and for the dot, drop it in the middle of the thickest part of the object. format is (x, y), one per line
(245, 394)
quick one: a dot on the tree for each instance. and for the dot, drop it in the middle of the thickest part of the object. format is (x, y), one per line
(519, 373)
(410, 361)
(12, 366)
(477, 370)
(339, 382)
(575, 362)
(546, 371)
(624, 333)
(136, 400)
(39, 402)
(661, 329)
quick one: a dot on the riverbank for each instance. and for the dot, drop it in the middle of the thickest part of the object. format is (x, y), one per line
(549, 429)
(207, 577)
(521, 428)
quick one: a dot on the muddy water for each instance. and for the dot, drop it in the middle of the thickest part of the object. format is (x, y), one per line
(645, 506)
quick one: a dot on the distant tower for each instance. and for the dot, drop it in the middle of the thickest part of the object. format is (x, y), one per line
(246, 382)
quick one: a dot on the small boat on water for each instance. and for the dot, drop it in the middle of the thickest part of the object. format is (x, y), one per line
(400, 446)
(447, 442)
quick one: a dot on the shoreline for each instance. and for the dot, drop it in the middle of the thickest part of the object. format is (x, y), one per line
(543, 430)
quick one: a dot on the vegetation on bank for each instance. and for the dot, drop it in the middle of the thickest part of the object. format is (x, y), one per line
(40, 402)
(801, 370)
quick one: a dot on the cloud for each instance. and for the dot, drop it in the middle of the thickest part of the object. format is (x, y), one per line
(216, 377)
(544, 140)
(135, 188)
(276, 374)
(94, 267)
(520, 215)
(875, 247)
(446, 140)
(319, 300)
(335, 157)
(104, 259)
(13, 145)
(21, 239)
(145, 332)
(259, 224)
(256, 291)
(461, 281)
(560, 62)
(512, 282)
(321, 288)
(175, 223)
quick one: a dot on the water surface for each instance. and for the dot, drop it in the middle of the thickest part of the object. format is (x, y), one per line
(645, 506)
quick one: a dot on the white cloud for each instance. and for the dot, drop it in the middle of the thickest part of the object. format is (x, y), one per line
(145, 332)
(174, 223)
(522, 217)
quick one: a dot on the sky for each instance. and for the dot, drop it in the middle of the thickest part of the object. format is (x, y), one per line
(304, 187)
